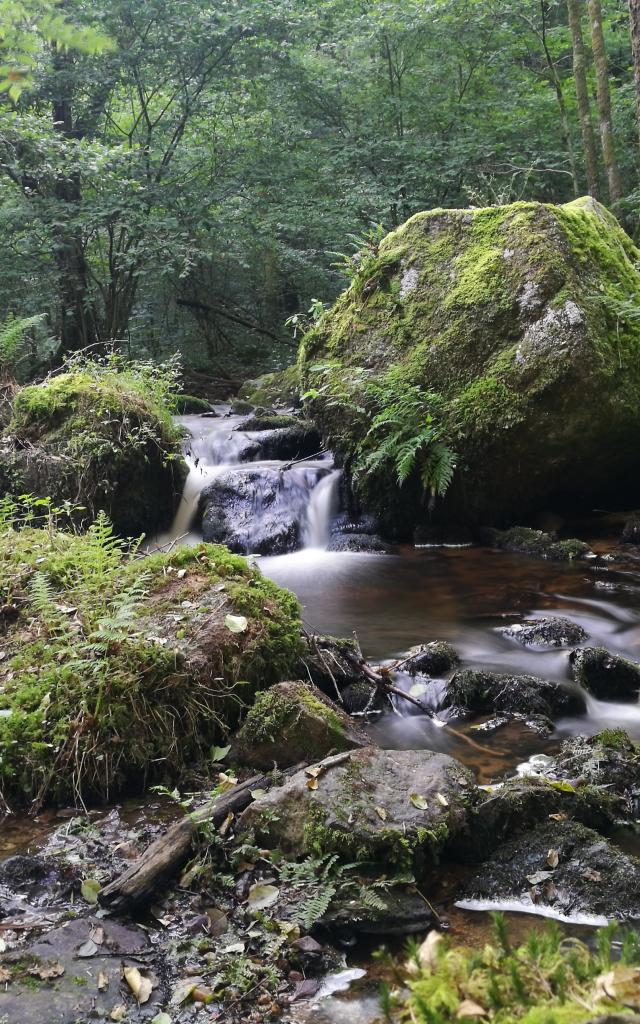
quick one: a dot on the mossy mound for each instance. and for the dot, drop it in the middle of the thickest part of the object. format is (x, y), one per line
(281, 389)
(522, 540)
(117, 670)
(290, 723)
(513, 329)
(101, 439)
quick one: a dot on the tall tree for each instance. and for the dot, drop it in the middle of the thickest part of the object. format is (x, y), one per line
(634, 26)
(582, 93)
(603, 93)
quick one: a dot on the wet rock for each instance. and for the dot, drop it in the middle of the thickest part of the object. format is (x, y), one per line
(191, 405)
(293, 722)
(49, 981)
(607, 676)
(631, 530)
(257, 511)
(564, 869)
(358, 542)
(330, 662)
(481, 692)
(535, 543)
(358, 697)
(552, 632)
(363, 524)
(283, 437)
(609, 760)
(521, 803)
(404, 913)
(391, 807)
(432, 659)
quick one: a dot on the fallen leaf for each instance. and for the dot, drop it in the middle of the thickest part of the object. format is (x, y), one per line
(257, 793)
(382, 814)
(236, 623)
(103, 982)
(235, 947)
(427, 955)
(419, 801)
(161, 1018)
(312, 783)
(262, 896)
(184, 989)
(118, 1012)
(90, 889)
(97, 934)
(560, 816)
(592, 875)
(442, 800)
(5, 975)
(314, 771)
(468, 1008)
(226, 824)
(201, 994)
(88, 948)
(219, 753)
(538, 876)
(140, 985)
(553, 858)
(48, 971)
(621, 984)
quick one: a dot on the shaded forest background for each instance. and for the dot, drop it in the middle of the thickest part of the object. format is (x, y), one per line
(192, 185)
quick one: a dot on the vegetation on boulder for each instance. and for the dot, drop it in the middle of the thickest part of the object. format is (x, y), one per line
(101, 436)
(118, 671)
(504, 335)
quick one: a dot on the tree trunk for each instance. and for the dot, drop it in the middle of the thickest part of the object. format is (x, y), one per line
(604, 101)
(584, 109)
(634, 26)
(562, 107)
(77, 317)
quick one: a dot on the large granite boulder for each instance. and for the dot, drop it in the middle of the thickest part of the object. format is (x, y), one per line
(507, 326)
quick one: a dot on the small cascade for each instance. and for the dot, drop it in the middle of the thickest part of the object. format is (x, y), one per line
(252, 504)
(322, 509)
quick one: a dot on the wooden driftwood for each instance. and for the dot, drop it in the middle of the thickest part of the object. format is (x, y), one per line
(170, 851)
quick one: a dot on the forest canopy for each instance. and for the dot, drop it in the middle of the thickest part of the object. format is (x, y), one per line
(179, 176)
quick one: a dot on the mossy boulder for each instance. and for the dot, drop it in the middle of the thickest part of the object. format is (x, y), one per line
(522, 540)
(476, 691)
(102, 441)
(281, 389)
(560, 869)
(555, 631)
(293, 722)
(119, 671)
(386, 807)
(432, 659)
(605, 675)
(508, 326)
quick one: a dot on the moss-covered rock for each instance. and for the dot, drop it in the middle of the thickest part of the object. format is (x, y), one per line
(293, 722)
(506, 325)
(386, 807)
(281, 389)
(118, 670)
(432, 659)
(606, 675)
(555, 631)
(522, 540)
(186, 405)
(476, 691)
(101, 440)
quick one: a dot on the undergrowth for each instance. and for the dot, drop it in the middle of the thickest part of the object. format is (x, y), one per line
(550, 979)
(118, 670)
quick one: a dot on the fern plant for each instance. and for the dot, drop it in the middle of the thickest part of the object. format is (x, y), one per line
(13, 331)
(404, 438)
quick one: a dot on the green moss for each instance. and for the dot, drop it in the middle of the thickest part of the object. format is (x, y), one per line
(447, 306)
(537, 544)
(280, 389)
(107, 681)
(185, 405)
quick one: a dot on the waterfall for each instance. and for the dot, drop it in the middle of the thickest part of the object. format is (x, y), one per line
(252, 504)
(323, 506)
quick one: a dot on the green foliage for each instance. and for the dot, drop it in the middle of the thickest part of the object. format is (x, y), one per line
(549, 978)
(102, 685)
(404, 438)
(12, 339)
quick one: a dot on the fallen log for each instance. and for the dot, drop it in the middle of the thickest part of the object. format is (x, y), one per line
(170, 851)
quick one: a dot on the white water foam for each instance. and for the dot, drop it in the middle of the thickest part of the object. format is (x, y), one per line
(523, 906)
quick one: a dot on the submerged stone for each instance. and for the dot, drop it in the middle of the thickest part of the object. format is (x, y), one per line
(535, 543)
(551, 632)
(506, 325)
(607, 676)
(290, 723)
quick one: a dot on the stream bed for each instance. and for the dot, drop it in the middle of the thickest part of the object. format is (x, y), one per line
(394, 601)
